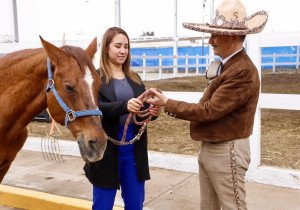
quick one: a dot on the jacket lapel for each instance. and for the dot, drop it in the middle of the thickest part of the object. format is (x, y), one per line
(108, 90)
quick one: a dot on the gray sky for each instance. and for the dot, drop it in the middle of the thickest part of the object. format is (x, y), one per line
(158, 15)
(81, 19)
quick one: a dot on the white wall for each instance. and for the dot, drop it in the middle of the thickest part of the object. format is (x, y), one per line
(6, 21)
(279, 39)
(28, 20)
(78, 19)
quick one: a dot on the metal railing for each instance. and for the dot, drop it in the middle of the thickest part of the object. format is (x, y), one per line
(196, 65)
(274, 63)
(162, 66)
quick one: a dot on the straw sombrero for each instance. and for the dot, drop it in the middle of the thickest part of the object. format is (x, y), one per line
(231, 19)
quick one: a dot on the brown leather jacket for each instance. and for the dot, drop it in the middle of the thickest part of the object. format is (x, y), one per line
(226, 110)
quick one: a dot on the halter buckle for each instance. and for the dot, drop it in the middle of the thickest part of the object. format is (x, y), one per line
(50, 84)
(71, 116)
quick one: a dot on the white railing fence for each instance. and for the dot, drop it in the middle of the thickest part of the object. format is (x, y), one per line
(294, 64)
(186, 69)
(193, 66)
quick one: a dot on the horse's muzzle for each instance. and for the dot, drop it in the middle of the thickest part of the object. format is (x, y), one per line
(91, 150)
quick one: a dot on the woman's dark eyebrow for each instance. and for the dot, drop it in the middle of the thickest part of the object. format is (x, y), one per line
(120, 44)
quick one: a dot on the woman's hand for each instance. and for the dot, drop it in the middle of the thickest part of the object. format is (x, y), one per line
(134, 105)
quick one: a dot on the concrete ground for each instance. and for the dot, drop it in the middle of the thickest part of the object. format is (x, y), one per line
(167, 189)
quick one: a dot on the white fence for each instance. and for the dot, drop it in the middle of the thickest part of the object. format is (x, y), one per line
(196, 68)
(191, 66)
(274, 63)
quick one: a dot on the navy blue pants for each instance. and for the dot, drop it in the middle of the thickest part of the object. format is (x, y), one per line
(132, 190)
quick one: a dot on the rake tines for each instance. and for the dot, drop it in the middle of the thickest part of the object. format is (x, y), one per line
(50, 149)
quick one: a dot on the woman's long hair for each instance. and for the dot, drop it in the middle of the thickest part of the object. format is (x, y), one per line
(105, 69)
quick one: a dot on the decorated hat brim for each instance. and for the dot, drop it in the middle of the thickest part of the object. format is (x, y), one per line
(255, 24)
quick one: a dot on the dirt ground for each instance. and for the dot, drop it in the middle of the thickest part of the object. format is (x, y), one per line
(280, 129)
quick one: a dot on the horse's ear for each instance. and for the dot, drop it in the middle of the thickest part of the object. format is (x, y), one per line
(55, 54)
(92, 48)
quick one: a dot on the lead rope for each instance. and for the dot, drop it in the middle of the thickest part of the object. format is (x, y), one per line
(142, 114)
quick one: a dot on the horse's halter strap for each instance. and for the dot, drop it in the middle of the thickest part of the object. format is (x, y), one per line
(70, 114)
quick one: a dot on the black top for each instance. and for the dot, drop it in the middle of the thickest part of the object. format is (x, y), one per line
(105, 173)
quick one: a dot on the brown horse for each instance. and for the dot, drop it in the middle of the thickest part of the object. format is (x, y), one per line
(69, 89)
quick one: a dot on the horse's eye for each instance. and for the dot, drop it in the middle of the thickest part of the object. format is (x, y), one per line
(69, 89)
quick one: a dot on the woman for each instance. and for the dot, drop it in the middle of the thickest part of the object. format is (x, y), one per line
(125, 166)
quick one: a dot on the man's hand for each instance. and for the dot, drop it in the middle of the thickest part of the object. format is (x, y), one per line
(155, 111)
(156, 98)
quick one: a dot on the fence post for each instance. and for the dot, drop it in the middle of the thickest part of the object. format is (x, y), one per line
(274, 62)
(298, 59)
(160, 67)
(207, 63)
(144, 65)
(254, 51)
(186, 64)
(197, 64)
(175, 65)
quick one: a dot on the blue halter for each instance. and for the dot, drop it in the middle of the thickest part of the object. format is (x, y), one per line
(70, 114)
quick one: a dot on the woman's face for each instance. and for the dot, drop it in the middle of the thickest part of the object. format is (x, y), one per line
(118, 49)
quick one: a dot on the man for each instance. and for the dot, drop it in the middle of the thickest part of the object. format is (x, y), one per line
(223, 119)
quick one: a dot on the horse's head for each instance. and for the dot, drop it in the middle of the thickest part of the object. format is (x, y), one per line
(76, 82)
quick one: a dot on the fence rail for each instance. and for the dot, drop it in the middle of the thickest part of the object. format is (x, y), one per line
(162, 66)
(276, 60)
(195, 65)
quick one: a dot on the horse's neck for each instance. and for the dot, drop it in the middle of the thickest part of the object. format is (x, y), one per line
(22, 87)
